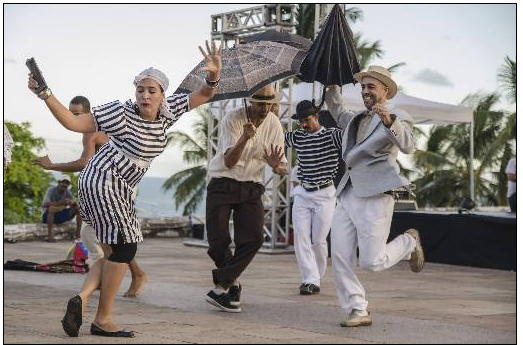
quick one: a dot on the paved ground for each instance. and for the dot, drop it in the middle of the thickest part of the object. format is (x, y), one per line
(443, 304)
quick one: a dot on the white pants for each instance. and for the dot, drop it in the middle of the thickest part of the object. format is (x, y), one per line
(312, 218)
(364, 223)
(90, 241)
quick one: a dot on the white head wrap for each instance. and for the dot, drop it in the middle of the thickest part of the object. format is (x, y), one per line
(159, 77)
(154, 74)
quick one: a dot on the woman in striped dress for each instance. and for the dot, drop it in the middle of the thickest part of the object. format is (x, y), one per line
(137, 134)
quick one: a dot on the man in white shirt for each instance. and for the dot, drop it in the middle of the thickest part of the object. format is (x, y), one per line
(511, 190)
(248, 140)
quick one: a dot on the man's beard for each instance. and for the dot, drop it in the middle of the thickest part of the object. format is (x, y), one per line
(372, 103)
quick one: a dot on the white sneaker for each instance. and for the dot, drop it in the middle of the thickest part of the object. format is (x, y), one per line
(357, 318)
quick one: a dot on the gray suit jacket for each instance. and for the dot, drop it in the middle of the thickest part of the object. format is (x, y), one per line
(371, 164)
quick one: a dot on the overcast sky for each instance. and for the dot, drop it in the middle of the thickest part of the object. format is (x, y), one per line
(96, 50)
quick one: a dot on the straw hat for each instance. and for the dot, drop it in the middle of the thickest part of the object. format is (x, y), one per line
(266, 95)
(383, 75)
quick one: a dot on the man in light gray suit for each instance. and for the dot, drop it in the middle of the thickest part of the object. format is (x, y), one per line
(365, 203)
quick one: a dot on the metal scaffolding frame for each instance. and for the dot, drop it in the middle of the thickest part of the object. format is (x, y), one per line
(231, 28)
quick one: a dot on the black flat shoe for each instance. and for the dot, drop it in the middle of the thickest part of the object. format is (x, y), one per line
(73, 316)
(95, 330)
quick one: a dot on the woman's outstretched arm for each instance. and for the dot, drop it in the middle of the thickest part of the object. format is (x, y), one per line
(213, 61)
(83, 123)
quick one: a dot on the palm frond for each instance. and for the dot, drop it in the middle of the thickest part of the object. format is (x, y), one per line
(195, 157)
(507, 78)
(353, 14)
(396, 66)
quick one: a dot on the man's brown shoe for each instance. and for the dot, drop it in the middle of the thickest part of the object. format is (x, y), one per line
(357, 318)
(417, 258)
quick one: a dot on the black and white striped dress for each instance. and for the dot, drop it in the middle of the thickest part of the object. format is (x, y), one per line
(318, 154)
(105, 185)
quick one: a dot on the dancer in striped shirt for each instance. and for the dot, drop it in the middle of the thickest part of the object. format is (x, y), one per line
(91, 143)
(318, 152)
(137, 134)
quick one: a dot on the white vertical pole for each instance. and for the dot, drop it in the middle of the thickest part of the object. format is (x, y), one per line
(317, 9)
(472, 160)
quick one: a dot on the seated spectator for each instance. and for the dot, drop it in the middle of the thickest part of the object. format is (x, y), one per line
(59, 207)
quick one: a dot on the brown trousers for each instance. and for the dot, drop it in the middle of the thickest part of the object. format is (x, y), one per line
(243, 199)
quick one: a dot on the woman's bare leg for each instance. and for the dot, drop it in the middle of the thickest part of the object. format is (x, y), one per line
(139, 280)
(93, 279)
(112, 276)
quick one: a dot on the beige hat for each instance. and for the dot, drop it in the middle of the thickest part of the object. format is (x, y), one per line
(383, 75)
(266, 95)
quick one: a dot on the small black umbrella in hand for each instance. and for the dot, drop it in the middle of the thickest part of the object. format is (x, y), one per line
(332, 59)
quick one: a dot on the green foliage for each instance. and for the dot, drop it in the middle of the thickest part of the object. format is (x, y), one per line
(25, 184)
(507, 78)
(189, 185)
(444, 165)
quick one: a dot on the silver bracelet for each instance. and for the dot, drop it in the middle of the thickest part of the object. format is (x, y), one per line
(45, 94)
(212, 84)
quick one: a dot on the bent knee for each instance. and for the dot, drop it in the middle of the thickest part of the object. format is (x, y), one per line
(371, 265)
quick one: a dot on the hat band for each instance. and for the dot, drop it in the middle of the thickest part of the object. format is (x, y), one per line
(263, 98)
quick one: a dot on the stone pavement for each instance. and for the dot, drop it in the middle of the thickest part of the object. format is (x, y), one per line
(442, 304)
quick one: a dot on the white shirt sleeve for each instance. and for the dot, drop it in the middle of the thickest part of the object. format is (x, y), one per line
(230, 131)
(511, 166)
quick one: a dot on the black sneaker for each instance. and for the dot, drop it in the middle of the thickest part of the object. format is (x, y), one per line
(222, 301)
(309, 289)
(235, 294)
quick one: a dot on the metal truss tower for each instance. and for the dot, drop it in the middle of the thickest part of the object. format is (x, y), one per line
(231, 28)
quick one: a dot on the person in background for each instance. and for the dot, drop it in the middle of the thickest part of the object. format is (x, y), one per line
(60, 207)
(511, 190)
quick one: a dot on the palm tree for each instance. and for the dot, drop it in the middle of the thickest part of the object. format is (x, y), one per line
(304, 18)
(507, 78)
(189, 184)
(445, 164)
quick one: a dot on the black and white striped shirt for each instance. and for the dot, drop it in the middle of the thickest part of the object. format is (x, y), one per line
(133, 135)
(318, 154)
(105, 185)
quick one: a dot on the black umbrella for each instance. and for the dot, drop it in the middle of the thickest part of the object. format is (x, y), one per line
(247, 68)
(285, 37)
(332, 59)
